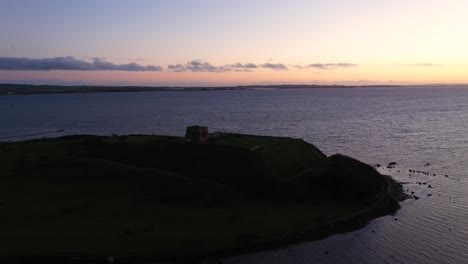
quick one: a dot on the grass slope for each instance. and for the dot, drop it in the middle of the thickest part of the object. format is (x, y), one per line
(158, 196)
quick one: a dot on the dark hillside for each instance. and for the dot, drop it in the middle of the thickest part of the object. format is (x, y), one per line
(160, 197)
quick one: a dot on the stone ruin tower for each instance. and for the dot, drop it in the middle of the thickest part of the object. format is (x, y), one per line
(197, 134)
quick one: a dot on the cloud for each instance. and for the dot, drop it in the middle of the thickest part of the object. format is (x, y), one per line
(328, 66)
(176, 68)
(422, 64)
(196, 66)
(275, 66)
(202, 66)
(101, 64)
(247, 66)
(69, 63)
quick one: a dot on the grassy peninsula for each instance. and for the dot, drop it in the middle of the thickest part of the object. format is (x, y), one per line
(148, 197)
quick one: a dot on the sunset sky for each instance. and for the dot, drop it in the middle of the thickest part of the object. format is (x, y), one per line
(200, 42)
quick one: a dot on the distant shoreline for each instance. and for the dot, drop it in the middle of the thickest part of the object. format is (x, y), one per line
(25, 89)
(22, 89)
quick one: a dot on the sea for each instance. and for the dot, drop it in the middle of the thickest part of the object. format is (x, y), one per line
(423, 129)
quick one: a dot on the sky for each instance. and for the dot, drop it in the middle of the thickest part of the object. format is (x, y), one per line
(213, 42)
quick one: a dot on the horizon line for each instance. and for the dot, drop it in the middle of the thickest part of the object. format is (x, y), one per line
(240, 85)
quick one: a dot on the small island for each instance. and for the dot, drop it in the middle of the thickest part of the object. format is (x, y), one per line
(136, 198)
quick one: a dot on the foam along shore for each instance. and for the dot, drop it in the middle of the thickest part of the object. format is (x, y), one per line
(151, 198)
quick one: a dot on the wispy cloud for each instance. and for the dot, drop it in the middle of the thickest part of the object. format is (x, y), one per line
(177, 68)
(275, 66)
(421, 64)
(196, 66)
(327, 66)
(69, 63)
(247, 66)
(203, 66)
(101, 64)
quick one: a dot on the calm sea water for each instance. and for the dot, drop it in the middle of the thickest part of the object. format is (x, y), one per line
(411, 126)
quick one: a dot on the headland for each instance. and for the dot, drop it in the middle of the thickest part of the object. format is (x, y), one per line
(140, 198)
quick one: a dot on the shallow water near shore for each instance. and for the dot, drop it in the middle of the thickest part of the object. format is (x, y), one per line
(410, 126)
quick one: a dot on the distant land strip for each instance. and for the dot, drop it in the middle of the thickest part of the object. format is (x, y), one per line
(19, 89)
